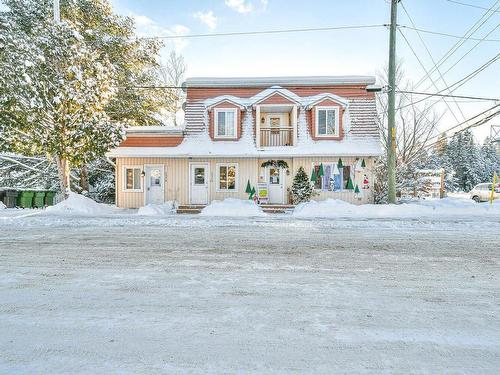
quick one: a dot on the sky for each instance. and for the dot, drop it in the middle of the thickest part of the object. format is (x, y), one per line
(335, 52)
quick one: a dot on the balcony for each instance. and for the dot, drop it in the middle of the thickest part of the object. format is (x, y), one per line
(276, 137)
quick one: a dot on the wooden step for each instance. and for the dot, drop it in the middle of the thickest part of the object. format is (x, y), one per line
(282, 206)
(188, 210)
(192, 206)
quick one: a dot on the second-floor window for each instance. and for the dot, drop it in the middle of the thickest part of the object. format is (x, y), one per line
(225, 123)
(327, 121)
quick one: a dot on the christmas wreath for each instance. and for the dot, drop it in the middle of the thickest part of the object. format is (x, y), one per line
(275, 164)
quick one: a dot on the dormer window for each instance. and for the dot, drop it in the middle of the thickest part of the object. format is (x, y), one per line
(225, 122)
(327, 121)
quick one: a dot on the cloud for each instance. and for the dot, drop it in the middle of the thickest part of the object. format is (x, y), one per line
(240, 6)
(146, 27)
(208, 18)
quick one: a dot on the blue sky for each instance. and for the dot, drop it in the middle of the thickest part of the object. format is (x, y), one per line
(327, 52)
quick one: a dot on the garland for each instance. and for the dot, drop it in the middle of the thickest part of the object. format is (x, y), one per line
(275, 164)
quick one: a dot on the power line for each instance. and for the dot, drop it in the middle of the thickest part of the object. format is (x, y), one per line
(446, 34)
(278, 31)
(447, 95)
(470, 5)
(461, 81)
(477, 25)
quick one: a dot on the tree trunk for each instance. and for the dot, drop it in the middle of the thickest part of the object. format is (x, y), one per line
(84, 178)
(64, 177)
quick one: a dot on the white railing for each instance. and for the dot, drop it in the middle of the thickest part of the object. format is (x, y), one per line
(275, 137)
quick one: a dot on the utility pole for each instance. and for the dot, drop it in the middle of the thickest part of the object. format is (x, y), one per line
(57, 12)
(391, 108)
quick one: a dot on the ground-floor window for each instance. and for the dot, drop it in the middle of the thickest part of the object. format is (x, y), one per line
(227, 177)
(132, 177)
(331, 178)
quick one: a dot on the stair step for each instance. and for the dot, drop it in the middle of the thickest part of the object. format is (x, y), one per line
(188, 210)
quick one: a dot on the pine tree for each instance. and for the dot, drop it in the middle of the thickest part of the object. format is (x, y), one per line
(302, 189)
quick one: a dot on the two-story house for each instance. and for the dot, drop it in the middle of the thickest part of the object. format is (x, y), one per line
(257, 132)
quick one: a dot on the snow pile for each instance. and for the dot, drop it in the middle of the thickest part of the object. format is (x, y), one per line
(80, 205)
(333, 208)
(166, 208)
(2, 206)
(232, 207)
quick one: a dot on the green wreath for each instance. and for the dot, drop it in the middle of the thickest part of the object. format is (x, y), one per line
(275, 164)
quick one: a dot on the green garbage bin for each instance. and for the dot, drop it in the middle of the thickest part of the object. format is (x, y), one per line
(49, 197)
(39, 199)
(25, 198)
(10, 198)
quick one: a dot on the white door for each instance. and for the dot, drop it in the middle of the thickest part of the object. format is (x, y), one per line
(276, 185)
(199, 183)
(154, 175)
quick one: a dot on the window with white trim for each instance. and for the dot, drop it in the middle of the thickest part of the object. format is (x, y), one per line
(333, 179)
(327, 121)
(227, 177)
(132, 178)
(225, 123)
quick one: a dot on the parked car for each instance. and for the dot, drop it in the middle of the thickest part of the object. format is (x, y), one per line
(481, 192)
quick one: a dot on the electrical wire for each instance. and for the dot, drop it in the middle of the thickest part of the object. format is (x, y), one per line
(469, 5)
(448, 95)
(446, 34)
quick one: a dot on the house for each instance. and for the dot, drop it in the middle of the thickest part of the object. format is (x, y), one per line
(255, 132)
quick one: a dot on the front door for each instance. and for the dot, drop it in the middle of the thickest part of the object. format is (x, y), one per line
(154, 184)
(276, 183)
(199, 184)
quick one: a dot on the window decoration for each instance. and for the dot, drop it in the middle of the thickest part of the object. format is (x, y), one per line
(132, 178)
(227, 177)
(333, 177)
(225, 123)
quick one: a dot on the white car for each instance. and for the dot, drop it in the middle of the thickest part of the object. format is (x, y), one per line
(481, 192)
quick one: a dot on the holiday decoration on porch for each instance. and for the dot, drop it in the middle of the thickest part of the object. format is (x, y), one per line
(275, 164)
(359, 166)
(248, 190)
(314, 176)
(321, 171)
(350, 184)
(363, 164)
(302, 189)
(357, 192)
(336, 170)
(366, 183)
(252, 193)
(339, 164)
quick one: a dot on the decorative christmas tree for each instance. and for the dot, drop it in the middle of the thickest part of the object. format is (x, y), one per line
(363, 164)
(252, 193)
(302, 189)
(339, 164)
(314, 176)
(248, 190)
(350, 185)
(321, 171)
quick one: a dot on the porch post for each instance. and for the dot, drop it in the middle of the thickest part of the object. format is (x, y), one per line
(294, 124)
(257, 125)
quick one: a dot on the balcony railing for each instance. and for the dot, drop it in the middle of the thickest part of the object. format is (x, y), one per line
(275, 137)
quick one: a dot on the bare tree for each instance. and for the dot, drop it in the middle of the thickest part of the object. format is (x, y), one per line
(171, 74)
(416, 124)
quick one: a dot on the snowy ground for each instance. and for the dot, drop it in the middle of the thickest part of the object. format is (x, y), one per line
(130, 294)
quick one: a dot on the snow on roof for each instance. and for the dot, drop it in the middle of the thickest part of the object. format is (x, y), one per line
(283, 81)
(161, 130)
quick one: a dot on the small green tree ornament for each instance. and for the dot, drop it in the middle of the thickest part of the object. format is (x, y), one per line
(252, 193)
(302, 189)
(248, 190)
(321, 171)
(363, 164)
(350, 185)
(356, 189)
(314, 176)
(339, 164)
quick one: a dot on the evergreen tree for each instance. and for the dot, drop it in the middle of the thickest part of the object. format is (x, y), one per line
(302, 189)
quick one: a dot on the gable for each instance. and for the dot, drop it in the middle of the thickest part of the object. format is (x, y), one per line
(277, 98)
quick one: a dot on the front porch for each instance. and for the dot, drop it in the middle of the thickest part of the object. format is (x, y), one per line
(276, 125)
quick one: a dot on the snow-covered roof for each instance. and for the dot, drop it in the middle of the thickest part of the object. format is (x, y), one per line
(201, 82)
(154, 130)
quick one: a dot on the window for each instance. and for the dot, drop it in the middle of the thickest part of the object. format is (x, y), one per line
(327, 121)
(225, 123)
(331, 181)
(227, 177)
(132, 176)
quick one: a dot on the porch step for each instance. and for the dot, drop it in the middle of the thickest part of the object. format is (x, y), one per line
(277, 208)
(190, 209)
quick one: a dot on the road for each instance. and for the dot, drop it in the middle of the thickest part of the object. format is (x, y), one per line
(265, 296)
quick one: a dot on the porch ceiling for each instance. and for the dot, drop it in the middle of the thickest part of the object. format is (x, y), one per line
(276, 108)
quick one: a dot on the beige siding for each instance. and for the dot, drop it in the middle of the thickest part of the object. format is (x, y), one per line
(177, 178)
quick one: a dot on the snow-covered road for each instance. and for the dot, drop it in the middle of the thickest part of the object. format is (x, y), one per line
(175, 295)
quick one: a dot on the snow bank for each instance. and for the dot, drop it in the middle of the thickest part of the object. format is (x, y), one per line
(2, 206)
(332, 208)
(80, 205)
(232, 207)
(166, 208)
